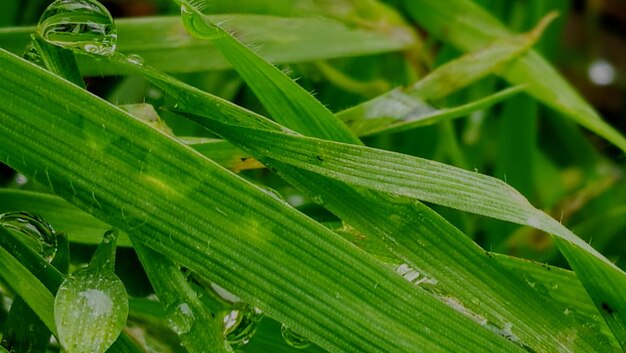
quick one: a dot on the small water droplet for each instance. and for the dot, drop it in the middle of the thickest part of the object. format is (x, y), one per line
(294, 339)
(31, 54)
(180, 318)
(39, 232)
(273, 193)
(198, 25)
(135, 59)
(81, 25)
(318, 199)
(249, 320)
(21, 179)
(231, 320)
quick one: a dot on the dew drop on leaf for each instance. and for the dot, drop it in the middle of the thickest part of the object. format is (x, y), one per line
(197, 25)
(294, 339)
(40, 234)
(31, 54)
(241, 334)
(90, 310)
(85, 26)
(135, 59)
(180, 318)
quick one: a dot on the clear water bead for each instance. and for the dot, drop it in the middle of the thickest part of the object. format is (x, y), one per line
(39, 233)
(180, 318)
(293, 338)
(240, 335)
(84, 26)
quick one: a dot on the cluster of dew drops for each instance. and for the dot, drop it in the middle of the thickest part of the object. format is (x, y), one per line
(87, 27)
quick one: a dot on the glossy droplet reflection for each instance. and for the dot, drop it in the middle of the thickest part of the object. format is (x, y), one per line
(135, 59)
(31, 54)
(198, 26)
(81, 25)
(40, 234)
(180, 318)
(294, 339)
(248, 322)
(90, 310)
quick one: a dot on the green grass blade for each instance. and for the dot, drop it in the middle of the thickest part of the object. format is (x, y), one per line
(163, 42)
(558, 284)
(58, 60)
(23, 330)
(476, 28)
(27, 286)
(282, 97)
(397, 111)
(197, 328)
(215, 223)
(491, 58)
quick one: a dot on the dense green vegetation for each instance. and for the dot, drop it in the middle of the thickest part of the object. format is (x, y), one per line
(304, 175)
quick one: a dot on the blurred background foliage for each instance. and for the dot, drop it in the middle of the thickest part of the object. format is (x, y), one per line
(571, 173)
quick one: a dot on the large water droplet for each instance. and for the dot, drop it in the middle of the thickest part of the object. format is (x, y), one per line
(41, 235)
(81, 25)
(90, 310)
(180, 318)
(240, 335)
(294, 339)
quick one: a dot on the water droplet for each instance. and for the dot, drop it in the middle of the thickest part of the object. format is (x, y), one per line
(240, 335)
(318, 199)
(81, 25)
(40, 233)
(31, 54)
(198, 25)
(135, 59)
(294, 339)
(90, 310)
(21, 179)
(273, 193)
(231, 320)
(180, 318)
